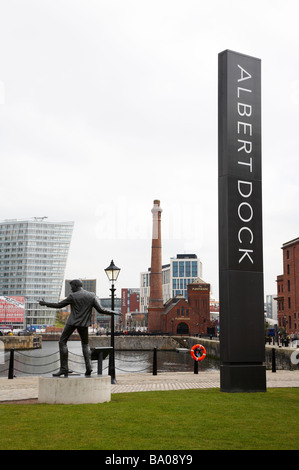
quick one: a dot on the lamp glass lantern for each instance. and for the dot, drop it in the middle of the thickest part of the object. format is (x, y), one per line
(112, 272)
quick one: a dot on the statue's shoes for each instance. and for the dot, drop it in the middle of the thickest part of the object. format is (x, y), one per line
(61, 372)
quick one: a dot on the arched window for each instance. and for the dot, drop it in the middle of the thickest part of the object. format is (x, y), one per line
(182, 329)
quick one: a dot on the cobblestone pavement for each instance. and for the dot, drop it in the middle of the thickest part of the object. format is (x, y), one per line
(26, 388)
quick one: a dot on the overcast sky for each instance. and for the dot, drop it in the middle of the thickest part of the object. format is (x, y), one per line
(107, 105)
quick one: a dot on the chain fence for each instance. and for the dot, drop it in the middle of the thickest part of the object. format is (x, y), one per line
(18, 362)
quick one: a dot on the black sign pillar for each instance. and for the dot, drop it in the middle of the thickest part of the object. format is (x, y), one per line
(242, 347)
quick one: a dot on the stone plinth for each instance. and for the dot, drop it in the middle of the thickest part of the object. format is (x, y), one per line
(74, 390)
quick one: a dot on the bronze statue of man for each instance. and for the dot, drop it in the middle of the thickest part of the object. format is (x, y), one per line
(81, 302)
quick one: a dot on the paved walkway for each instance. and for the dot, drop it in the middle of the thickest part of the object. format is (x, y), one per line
(21, 389)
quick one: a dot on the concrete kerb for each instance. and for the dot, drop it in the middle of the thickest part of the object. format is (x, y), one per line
(26, 388)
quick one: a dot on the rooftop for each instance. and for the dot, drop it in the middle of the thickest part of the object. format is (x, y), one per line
(291, 242)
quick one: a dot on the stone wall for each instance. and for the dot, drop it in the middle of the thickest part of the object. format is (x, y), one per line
(148, 343)
(170, 343)
(136, 343)
(282, 354)
(282, 358)
(21, 342)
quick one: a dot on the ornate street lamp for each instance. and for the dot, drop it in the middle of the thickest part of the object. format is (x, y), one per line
(112, 273)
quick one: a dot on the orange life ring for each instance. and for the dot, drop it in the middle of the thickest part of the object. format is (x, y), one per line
(196, 349)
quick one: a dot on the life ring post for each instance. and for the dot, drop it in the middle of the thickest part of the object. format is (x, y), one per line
(198, 352)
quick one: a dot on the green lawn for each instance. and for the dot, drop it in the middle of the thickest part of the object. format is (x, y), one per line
(168, 420)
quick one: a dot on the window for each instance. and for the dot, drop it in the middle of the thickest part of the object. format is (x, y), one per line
(182, 269)
(175, 269)
(194, 269)
(289, 286)
(188, 269)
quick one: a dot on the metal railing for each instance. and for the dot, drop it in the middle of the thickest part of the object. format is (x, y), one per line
(27, 364)
(18, 362)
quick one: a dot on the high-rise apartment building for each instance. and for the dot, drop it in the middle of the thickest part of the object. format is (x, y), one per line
(33, 256)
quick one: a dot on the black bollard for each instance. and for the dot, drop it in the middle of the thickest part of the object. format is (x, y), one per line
(273, 360)
(11, 364)
(100, 363)
(195, 367)
(155, 362)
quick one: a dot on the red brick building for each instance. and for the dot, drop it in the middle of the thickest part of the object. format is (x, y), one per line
(288, 288)
(177, 316)
(129, 302)
(188, 317)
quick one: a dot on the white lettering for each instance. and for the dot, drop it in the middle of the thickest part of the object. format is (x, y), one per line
(241, 230)
(244, 109)
(169, 459)
(249, 183)
(245, 125)
(115, 460)
(248, 164)
(247, 146)
(245, 204)
(244, 75)
(243, 89)
(246, 254)
(245, 210)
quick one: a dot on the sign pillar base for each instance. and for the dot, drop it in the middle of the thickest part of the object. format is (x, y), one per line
(243, 378)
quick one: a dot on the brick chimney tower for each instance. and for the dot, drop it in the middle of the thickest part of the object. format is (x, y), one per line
(156, 307)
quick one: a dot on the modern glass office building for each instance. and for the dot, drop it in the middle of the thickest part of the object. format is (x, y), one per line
(181, 271)
(33, 256)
